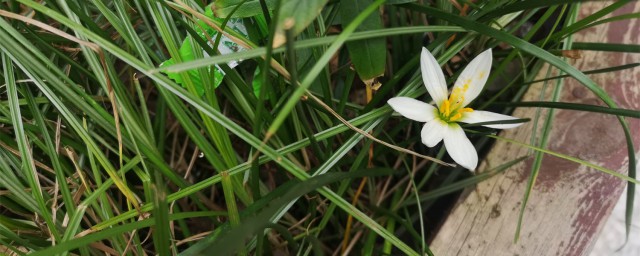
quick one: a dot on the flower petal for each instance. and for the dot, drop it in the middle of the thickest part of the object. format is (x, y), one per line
(433, 132)
(478, 116)
(474, 76)
(460, 148)
(433, 77)
(413, 109)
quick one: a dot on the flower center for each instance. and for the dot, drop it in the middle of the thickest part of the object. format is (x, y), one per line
(451, 109)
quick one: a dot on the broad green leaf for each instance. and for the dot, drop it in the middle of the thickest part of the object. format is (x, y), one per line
(188, 48)
(257, 83)
(186, 52)
(301, 13)
(368, 56)
(247, 8)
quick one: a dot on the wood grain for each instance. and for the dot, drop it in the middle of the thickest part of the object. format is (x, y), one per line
(569, 203)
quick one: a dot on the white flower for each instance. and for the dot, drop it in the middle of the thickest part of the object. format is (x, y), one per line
(441, 122)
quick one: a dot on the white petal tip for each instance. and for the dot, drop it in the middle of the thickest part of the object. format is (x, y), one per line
(488, 53)
(430, 143)
(471, 168)
(486, 57)
(505, 126)
(469, 163)
(395, 103)
(513, 125)
(460, 148)
(413, 109)
(432, 133)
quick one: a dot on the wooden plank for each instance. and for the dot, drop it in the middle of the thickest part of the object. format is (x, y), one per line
(569, 203)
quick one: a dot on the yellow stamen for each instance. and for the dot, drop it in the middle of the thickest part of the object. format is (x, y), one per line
(455, 117)
(456, 104)
(452, 109)
(445, 107)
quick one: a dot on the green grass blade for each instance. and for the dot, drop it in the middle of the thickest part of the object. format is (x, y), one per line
(27, 167)
(570, 158)
(573, 106)
(607, 47)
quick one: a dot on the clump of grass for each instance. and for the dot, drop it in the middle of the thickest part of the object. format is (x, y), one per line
(105, 149)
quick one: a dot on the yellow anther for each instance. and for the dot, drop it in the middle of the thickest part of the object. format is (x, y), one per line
(445, 107)
(465, 110)
(455, 117)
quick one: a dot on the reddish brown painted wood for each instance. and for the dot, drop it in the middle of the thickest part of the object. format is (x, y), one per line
(569, 203)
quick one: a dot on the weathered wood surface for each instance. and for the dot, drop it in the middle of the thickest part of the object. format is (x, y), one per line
(569, 203)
